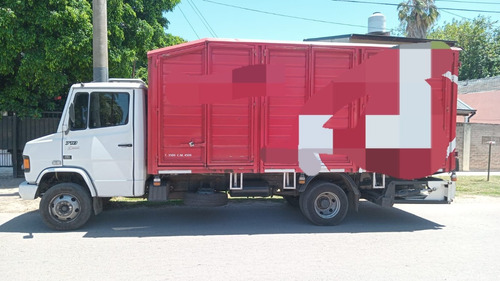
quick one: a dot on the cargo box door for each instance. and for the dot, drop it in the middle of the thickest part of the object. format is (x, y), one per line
(282, 106)
(182, 138)
(328, 64)
(231, 118)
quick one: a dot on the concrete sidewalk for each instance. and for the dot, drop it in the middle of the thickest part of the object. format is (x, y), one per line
(6, 179)
(465, 174)
(10, 182)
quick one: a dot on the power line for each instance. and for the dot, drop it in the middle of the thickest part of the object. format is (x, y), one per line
(196, 7)
(457, 15)
(469, 2)
(202, 18)
(392, 4)
(283, 15)
(491, 25)
(188, 22)
(366, 2)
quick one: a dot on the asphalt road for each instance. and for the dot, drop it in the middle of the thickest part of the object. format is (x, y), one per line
(259, 240)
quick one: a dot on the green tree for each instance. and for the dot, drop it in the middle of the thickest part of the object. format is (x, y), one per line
(480, 42)
(417, 17)
(46, 45)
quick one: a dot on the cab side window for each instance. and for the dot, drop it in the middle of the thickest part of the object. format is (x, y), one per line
(99, 110)
(108, 109)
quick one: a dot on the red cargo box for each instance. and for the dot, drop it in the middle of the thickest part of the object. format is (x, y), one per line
(218, 106)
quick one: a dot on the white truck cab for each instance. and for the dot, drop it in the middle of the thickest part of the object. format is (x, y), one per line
(99, 145)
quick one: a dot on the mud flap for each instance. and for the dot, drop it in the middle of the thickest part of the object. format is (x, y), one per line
(97, 204)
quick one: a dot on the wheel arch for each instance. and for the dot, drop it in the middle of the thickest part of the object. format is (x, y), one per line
(341, 179)
(52, 176)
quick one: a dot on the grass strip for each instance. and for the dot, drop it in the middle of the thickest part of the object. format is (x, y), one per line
(477, 185)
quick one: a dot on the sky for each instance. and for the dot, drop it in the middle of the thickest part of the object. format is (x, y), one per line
(296, 20)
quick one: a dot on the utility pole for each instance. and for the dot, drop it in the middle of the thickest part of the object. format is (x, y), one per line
(100, 40)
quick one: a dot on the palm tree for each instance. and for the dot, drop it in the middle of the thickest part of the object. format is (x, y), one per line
(418, 16)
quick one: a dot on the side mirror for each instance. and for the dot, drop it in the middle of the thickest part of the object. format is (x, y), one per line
(65, 129)
(72, 113)
(71, 122)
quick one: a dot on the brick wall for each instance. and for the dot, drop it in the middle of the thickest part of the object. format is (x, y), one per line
(480, 135)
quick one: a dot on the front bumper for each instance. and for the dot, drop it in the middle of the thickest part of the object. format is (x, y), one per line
(27, 190)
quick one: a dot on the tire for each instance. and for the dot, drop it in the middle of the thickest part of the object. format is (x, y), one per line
(66, 206)
(292, 200)
(213, 199)
(324, 203)
(302, 200)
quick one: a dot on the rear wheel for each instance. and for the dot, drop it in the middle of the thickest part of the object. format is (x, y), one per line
(66, 206)
(324, 203)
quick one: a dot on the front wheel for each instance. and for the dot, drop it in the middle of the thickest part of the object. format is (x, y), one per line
(324, 203)
(66, 206)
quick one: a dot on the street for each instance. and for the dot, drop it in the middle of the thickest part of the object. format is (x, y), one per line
(259, 240)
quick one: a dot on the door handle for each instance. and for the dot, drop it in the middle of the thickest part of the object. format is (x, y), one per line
(125, 145)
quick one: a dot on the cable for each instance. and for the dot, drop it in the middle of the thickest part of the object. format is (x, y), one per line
(202, 18)
(192, 7)
(392, 4)
(283, 15)
(366, 2)
(491, 25)
(468, 2)
(188, 22)
(457, 15)
(469, 10)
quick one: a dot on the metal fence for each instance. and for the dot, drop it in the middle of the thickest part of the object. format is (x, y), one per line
(15, 132)
(6, 141)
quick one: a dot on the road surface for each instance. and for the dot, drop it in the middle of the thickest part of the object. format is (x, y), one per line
(259, 240)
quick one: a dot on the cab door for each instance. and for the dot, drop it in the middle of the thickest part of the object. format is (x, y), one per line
(100, 140)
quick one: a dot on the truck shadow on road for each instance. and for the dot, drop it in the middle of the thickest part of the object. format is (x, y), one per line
(237, 218)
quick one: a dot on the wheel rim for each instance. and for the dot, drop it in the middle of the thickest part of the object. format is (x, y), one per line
(327, 205)
(64, 207)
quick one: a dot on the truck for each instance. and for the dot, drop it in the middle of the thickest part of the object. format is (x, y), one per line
(324, 125)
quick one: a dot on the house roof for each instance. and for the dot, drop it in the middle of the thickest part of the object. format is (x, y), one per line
(376, 39)
(487, 105)
(479, 85)
(464, 109)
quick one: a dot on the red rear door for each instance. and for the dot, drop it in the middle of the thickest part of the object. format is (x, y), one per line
(182, 129)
